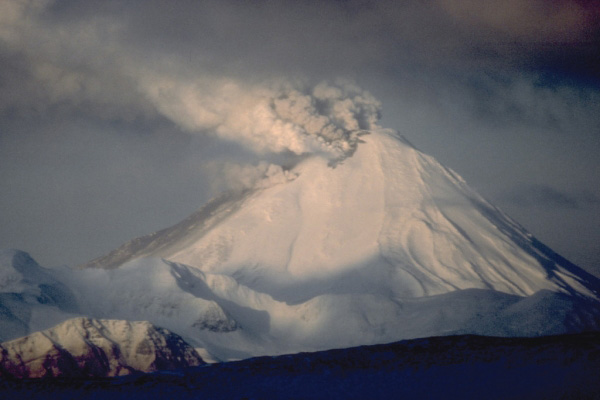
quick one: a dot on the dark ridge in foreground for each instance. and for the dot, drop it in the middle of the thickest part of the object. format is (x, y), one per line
(468, 366)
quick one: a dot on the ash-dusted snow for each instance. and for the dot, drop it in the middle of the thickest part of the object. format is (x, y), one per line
(383, 245)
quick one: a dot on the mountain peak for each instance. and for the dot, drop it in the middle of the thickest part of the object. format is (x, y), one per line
(386, 218)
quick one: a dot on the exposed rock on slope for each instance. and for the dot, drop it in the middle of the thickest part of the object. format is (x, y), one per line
(83, 347)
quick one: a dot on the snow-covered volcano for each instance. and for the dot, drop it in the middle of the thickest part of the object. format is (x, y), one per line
(388, 219)
(383, 245)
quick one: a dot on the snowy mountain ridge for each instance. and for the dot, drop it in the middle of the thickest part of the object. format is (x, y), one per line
(84, 347)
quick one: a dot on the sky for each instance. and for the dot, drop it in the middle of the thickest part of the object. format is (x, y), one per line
(120, 118)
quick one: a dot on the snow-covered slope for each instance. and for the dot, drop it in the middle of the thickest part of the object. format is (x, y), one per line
(387, 219)
(231, 321)
(82, 347)
(31, 298)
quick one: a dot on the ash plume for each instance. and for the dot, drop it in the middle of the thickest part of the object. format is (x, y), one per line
(277, 116)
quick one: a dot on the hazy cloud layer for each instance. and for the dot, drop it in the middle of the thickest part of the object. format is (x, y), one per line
(547, 196)
(109, 108)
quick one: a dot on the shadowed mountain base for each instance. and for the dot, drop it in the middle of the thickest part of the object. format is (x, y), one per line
(467, 366)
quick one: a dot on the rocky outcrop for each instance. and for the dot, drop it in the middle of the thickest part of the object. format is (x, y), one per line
(85, 347)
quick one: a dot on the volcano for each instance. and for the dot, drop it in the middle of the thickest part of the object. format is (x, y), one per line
(382, 245)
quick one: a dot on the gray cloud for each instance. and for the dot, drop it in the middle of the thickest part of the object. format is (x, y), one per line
(547, 196)
(157, 93)
(89, 64)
